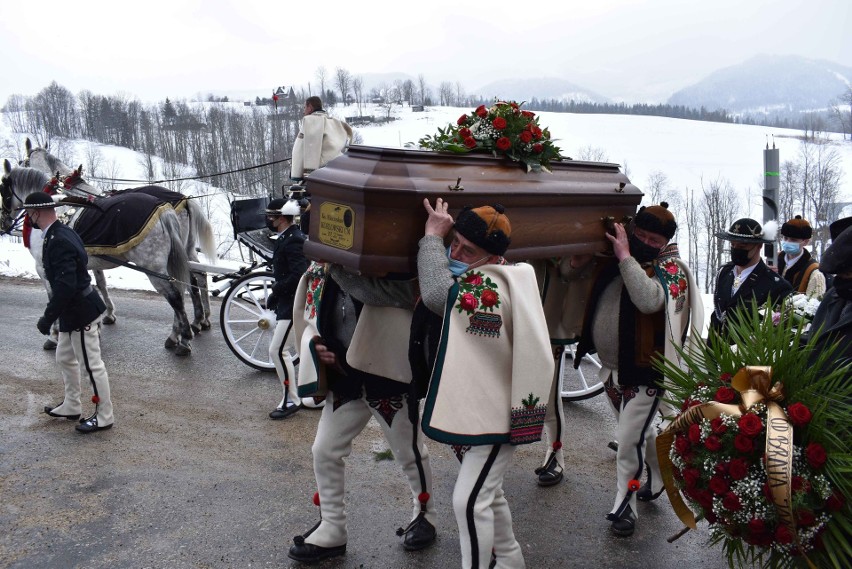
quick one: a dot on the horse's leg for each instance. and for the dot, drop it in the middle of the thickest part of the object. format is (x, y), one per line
(181, 330)
(200, 301)
(100, 282)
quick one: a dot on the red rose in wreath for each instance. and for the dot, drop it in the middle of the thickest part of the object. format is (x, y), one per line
(503, 143)
(537, 147)
(499, 123)
(681, 445)
(731, 502)
(468, 302)
(743, 444)
(750, 425)
(462, 119)
(712, 443)
(799, 414)
(719, 485)
(718, 426)
(464, 132)
(481, 111)
(525, 136)
(737, 469)
(489, 298)
(470, 142)
(783, 534)
(816, 455)
(725, 394)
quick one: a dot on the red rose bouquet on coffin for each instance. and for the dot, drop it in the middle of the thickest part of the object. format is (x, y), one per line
(761, 446)
(502, 129)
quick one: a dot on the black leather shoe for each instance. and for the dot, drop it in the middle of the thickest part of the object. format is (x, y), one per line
(49, 411)
(280, 413)
(624, 526)
(612, 445)
(419, 534)
(644, 493)
(551, 473)
(310, 553)
(90, 426)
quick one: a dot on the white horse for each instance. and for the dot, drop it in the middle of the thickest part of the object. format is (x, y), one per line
(159, 250)
(195, 231)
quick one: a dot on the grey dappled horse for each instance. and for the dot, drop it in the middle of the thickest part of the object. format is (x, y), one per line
(161, 250)
(194, 226)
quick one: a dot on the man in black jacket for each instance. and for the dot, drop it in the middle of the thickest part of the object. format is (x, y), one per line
(833, 320)
(78, 307)
(288, 265)
(746, 279)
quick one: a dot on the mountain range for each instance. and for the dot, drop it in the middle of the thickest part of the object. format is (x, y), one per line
(769, 84)
(779, 85)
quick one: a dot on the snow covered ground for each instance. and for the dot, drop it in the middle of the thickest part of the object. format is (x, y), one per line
(685, 151)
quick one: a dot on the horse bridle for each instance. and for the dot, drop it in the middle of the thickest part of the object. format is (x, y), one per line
(7, 192)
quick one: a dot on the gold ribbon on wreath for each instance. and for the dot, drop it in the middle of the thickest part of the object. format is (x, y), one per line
(754, 385)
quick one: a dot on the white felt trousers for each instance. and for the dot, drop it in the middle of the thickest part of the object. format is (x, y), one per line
(481, 509)
(79, 353)
(282, 338)
(635, 409)
(336, 430)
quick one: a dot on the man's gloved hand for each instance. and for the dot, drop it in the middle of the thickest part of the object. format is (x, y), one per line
(272, 302)
(44, 326)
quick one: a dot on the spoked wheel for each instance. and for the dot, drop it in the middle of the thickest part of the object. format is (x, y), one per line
(246, 323)
(576, 386)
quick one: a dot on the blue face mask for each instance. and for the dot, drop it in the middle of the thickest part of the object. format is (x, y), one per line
(456, 267)
(791, 249)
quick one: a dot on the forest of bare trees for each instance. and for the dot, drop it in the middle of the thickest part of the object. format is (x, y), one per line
(224, 144)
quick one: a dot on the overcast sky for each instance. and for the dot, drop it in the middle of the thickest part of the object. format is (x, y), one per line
(631, 50)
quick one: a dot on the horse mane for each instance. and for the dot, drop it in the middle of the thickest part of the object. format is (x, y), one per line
(28, 180)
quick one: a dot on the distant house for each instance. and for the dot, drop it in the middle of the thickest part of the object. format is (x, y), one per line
(285, 95)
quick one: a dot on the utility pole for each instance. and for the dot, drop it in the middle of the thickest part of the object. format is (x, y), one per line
(772, 178)
(272, 127)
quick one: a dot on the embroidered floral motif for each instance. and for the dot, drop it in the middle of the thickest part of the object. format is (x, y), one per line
(316, 281)
(476, 291)
(341, 400)
(386, 406)
(673, 278)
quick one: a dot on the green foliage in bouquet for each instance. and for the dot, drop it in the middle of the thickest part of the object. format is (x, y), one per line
(720, 464)
(503, 129)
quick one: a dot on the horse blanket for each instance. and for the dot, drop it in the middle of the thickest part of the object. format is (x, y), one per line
(119, 222)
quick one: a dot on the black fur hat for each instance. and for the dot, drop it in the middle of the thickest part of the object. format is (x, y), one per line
(656, 219)
(486, 226)
(797, 228)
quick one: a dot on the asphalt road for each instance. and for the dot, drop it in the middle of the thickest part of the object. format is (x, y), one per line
(194, 474)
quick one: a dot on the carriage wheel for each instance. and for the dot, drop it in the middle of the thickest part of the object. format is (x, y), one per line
(575, 384)
(246, 323)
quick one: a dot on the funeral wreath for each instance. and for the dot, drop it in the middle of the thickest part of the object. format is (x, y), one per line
(761, 446)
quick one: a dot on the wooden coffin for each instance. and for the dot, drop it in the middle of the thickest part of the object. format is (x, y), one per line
(367, 205)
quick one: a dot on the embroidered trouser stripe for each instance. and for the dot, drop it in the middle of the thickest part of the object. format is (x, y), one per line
(635, 414)
(554, 419)
(283, 362)
(481, 509)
